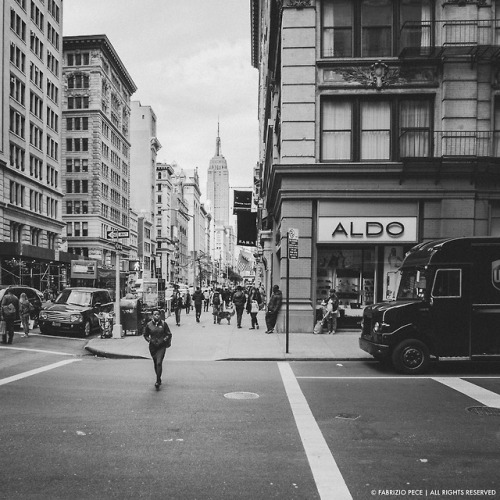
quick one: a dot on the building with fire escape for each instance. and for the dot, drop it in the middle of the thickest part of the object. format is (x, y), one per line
(379, 127)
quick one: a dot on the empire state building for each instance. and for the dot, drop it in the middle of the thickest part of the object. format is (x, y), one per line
(218, 185)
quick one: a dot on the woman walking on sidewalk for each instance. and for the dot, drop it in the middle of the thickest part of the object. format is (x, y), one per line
(25, 309)
(253, 306)
(158, 334)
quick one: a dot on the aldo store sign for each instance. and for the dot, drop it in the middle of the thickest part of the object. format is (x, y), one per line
(367, 230)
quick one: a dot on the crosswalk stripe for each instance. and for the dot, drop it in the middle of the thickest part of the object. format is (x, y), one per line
(484, 396)
(329, 480)
(37, 350)
(36, 371)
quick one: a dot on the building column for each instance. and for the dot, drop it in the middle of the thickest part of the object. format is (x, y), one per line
(297, 215)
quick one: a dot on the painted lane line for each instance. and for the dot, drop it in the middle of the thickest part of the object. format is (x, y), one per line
(329, 480)
(36, 371)
(37, 350)
(484, 396)
(395, 377)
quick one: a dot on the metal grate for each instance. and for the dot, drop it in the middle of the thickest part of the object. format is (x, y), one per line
(347, 416)
(484, 411)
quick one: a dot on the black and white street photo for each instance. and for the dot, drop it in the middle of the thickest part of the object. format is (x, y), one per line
(249, 249)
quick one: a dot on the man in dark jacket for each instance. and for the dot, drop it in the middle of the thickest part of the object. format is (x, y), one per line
(176, 305)
(273, 308)
(9, 310)
(198, 302)
(239, 301)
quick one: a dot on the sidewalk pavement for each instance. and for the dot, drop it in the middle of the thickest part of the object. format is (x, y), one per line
(206, 341)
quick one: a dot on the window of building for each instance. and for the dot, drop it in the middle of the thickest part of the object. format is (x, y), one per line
(372, 28)
(36, 16)
(364, 129)
(78, 102)
(78, 58)
(35, 236)
(54, 10)
(17, 57)
(36, 76)
(17, 156)
(17, 89)
(52, 91)
(79, 81)
(36, 105)
(17, 25)
(16, 232)
(52, 63)
(77, 123)
(36, 136)
(36, 45)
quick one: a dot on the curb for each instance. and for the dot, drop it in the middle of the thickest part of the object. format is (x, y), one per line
(111, 355)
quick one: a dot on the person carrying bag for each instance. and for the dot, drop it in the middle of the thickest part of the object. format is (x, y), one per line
(159, 336)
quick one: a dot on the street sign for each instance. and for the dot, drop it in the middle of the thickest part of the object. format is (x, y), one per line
(113, 234)
(293, 249)
(118, 246)
(293, 243)
(293, 234)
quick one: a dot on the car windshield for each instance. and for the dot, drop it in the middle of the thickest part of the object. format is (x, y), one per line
(74, 297)
(413, 284)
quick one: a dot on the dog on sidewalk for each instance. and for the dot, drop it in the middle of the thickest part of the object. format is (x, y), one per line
(225, 315)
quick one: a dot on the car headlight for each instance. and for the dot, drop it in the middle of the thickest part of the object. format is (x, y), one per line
(43, 315)
(75, 318)
(379, 327)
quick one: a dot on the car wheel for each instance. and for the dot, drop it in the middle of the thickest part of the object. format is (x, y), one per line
(44, 330)
(87, 329)
(411, 357)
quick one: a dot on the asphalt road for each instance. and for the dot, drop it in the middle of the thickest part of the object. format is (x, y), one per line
(75, 426)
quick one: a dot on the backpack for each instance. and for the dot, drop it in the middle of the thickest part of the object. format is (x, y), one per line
(9, 310)
(216, 299)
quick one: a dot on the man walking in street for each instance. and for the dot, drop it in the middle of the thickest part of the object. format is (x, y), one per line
(198, 302)
(9, 309)
(176, 305)
(273, 308)
(239, 301)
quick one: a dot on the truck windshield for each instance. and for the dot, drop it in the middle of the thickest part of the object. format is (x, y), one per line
(413, 284)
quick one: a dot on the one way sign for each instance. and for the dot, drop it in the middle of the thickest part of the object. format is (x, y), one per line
(114, 234)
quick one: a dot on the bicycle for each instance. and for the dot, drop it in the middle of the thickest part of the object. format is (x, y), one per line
(106, 324)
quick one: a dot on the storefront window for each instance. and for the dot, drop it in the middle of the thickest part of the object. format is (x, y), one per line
(351, 272)
(354, 273)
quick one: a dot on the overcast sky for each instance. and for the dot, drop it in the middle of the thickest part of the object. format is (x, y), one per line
(190, 60)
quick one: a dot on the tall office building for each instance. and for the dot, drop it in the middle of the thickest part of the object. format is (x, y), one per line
(143, 152)
(96, 153)
(218, 185)
(30, 143)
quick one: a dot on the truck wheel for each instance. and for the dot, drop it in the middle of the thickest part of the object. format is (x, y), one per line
(411, 357)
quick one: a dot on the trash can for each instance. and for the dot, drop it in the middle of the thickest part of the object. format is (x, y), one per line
(130, 315)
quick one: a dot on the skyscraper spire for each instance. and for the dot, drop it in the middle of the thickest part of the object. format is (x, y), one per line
(217, 142)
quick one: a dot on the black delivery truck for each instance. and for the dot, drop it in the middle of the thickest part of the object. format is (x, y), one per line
(447, 306)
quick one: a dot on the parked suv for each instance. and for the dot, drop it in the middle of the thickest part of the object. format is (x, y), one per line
(34, 296)
(74, 311)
